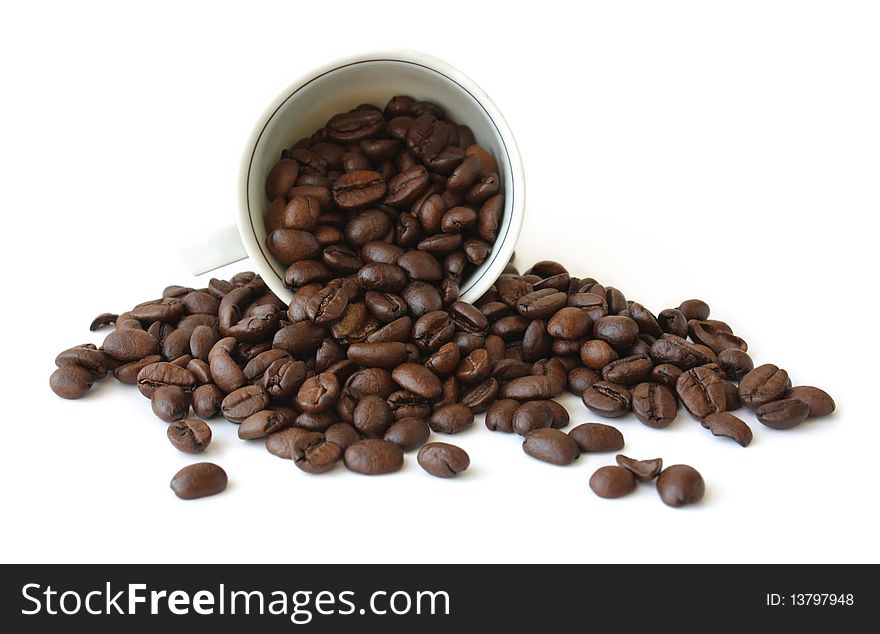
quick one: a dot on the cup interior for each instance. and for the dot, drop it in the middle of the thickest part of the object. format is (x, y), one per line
(308, 106)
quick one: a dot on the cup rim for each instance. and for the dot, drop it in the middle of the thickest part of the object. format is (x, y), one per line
(502, 248)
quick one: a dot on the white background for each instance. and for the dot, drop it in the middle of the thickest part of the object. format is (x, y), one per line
(727, 151)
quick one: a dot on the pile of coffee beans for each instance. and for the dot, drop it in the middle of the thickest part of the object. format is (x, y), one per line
(378, 216)
(322, 392)
(399, 200)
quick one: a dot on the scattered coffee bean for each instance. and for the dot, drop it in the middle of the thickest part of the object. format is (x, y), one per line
(643, 470)
(551, 445)
(170, 403)
(819, 402)
(729, 426)
(190, 435)
(607, 399)
(410, 433)
(199, 480)
(596, 437)
(443, 460)
(373, 456)
(762, 385)
(783, 414)
(654, 404)
(612, 482)
(679, 485)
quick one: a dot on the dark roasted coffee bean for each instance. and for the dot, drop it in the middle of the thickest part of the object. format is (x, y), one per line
(355, 324)
(569, 323)
(735, 363)
(170, 403)
(665, 374)
(673, 321)
(620, 332)
(129, 345)
(541, 304)
(500, 415)
(281, 178)
(354, 126)
(316, 422)
(267, 421)
(85, 356)
(409, 433)
(104, 319)
(71, 381)
(475, 367)
(645, 319)
(819, 402)
(282, 443)
(314, 454)
(654, 404)
(168, 310)
(342, 434)
(701, 392)
(531, 416)
(678, 352)
(373, 456)
(386, 307)
(530, 388)
(380, 355)
(560, 415)
(643, 470)
(489, 217)
(206, 400)
(199, 480)
(596, 437)
(292, 245)
(783, 414)
(243, 402)
(318, 393)
(679, 485)
(161, 374)
(627, 371)
(417, 379)
(607, 399)
(717, 339)
(451, 419)
(432, 330)
(551, 445)
(397, 330)
(283, 378)
(405, 404)
(729, 426)
(596, 354)
(191, 435)
(445, 360)
(579, 379)
(694, 309)
(443, 460)
(612, 482)
(479, 397)
(764, 384)
(372, 416)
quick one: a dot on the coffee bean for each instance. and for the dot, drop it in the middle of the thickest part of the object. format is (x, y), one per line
(729, 426)
(531, 416)
(678, 352)
(417, 379)
(129, 345)
(541, 304)
(71, 381)
(443, 460)
(607, 399)
(694, 309)
(315, 454)
(379, 355)
(764, 384)
(451, 419)
(783, 414)
(85, 356)
(162, 373)
(318, 393)
(372, 416)
(654, 404)
(701, 392)
(735, 363)
(409, 433)
(170, 403)
(199, 480)
(191, 435)
(265, 422)
(819, 402)
(596, 354)
(579, 379)
(373, 457)
(596, 437)
(643, 470)
(612, 482)
(500, 415)
(342, 434)
(281, 443)
(679, 485)
(673, 321)
(243, 402)
(569, 323)
(551, 445)
(627, 371)
(620, 332)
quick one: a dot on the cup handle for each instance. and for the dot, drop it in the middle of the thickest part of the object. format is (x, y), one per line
(216, 248)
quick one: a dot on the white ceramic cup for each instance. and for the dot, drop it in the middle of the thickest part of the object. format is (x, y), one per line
(337, 87)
